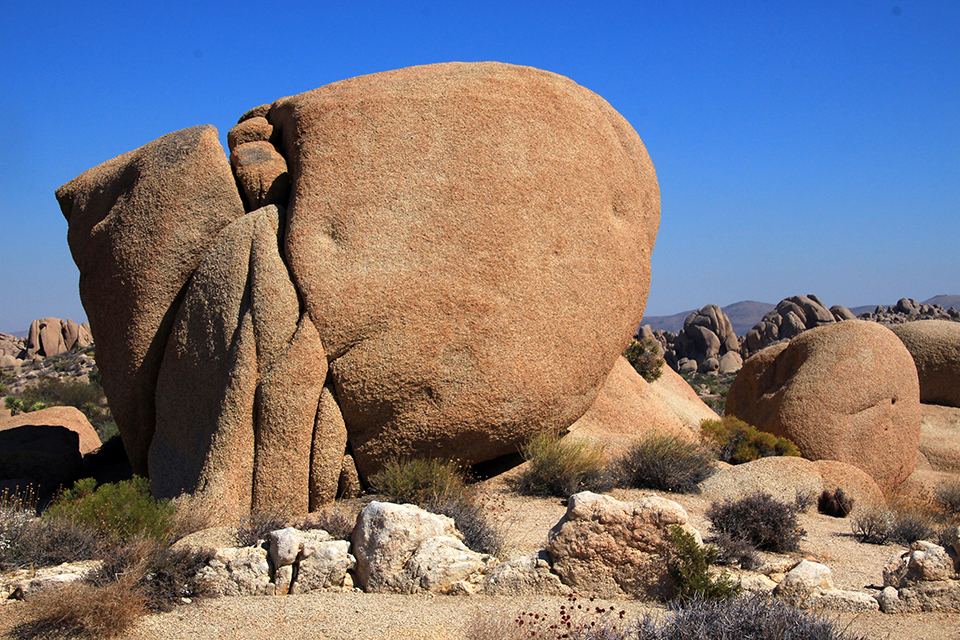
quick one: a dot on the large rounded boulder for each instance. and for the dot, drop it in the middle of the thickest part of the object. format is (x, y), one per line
(439, 260)
(846, 391)
(935, 347)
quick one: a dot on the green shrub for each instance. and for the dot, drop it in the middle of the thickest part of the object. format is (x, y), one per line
(688, 563)
(562, 468)
(667, 463)
(759, 519)
(738, 442)
(645, 358)
(418, 480)
(14, 405)
(122, 510)
(87, 397)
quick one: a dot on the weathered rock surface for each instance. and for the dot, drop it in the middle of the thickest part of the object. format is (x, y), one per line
(628, 407)
(707, 339)
(463, 255)
(467, 276)
(524, 576)
(66, 417)
(802, 581)
(139, 225)
(237, 571)
(940, 437)
(847, 391)
(609, 548)
(404, 549)
(24, 583)
(935, 347)
(786, 477)
(237, 409)
(923, 578)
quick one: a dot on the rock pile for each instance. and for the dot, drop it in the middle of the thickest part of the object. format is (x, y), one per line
(909, 310)
(790, 318)
(47, 337)
(923, 578)
(706, 344)
(437, 260)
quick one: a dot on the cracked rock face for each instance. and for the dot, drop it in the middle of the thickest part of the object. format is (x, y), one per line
(439, 260)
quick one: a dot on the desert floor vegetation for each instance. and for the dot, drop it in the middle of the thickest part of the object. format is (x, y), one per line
(738, 442)
(760, 520)
(667, 463)
(562, 467)
(441, 486)
(749, 617)
(644, 357)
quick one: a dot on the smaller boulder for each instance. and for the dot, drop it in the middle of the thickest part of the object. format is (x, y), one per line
(935, 347)
(803, 581)
(612, 548)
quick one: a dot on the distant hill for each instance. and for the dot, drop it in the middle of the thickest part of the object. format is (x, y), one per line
(743, 315)
(945, 301)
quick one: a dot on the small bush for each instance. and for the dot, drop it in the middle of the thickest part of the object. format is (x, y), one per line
(947, 497)
(81, 608)
(910, 526)
(880, 525)
(562, 468)
(760, 520)
(738, 442)
(334, 521)
(688, 564)
(645, 358)
(873, 525)
(667, 463)
(14, 405)
(167, 576)
(253, 528)
(754, 617)
(122, 510)
(736, 552)
(418, 480)
(835, 503)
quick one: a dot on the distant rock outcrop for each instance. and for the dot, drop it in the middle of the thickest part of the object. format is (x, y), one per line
(844, 391)
(909, 310)
(791, 317)
(47, 337)
(441, 260)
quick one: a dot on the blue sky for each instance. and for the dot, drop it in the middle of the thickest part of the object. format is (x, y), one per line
(801, 147)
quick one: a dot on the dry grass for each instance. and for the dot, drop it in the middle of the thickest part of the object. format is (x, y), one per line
(562, 468)
(82, 609)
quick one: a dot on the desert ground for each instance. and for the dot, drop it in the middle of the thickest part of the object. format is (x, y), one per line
(525, 522)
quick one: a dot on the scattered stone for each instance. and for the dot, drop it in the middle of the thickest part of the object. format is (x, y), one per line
(525, 576)
(235, 571)
(404, 549)
(802, 581)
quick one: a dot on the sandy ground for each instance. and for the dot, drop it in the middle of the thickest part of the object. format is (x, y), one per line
(525, 522)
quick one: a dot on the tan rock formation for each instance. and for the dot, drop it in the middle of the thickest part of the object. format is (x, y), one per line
(472, 242)
(847, 391)
(66, 417)
(139, 225)
(464, 255)
(935, 347)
